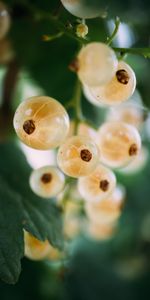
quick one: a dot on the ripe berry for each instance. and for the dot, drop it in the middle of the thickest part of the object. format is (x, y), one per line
(89, 96)
(83, 9)
(47, 181)
(128, 113)
(107, 210)
(41, 122)
(97, 64)
(4, 20)
(78, 156)
(35, 249)
(98, 185)
(118, 89)
(101, 231)
(119, 143)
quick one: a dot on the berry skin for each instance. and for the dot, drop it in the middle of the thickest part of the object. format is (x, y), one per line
(88, 95)
(108, 210)
(119, 143)
(35, 249)
(84, 9)
(97, 64)
(137, 164)
(128, 113)
(47, 181)
(4, 20)
(78, 156)
(98, 185)
(100, 232)
(118, 89)
(41, 123)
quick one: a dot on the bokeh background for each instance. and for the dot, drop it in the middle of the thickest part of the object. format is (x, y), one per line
(118, 268)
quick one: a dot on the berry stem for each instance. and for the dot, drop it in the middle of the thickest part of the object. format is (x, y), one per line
(77, 105)
(117, 24)
(138, 51)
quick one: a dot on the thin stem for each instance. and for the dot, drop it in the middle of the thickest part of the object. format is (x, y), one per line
(77, 105)
(138, 51)
(49, 38)
(117, 24)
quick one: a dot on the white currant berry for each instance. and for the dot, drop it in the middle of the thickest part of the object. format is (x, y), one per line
(119, 143)
(83, 8)
(86, 130)
(89, 96)
(35, 249)
(41, 122)
(82, 30)
(118, 89)
(100, 232)
(98, 185)
(107, 210)
(4, 20)
(47, 181)
(97, 64)
(78, 156)
(129, 113)
(137, 164)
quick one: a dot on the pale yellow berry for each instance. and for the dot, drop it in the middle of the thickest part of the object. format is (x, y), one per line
(129, 113)
(108, 210)
(119, 143)
(100, 232)
(35, 249)
(98, 185)
(84, 9)
(41, 123)
(137, 164)
(47, 181)
(78, 156)
(118, 89)
(97, 64)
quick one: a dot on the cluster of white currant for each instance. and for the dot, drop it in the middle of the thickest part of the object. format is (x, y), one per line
(43, 123)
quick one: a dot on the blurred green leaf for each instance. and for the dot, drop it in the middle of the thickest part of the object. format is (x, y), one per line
(21, 209)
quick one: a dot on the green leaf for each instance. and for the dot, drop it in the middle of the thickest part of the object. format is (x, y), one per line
(21, 209)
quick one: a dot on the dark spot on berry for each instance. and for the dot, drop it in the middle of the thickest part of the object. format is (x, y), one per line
(74, 65)
(86, 155)
(29, 126)
(104, 185)
(46, 178)
(133, 150)
(122, 76)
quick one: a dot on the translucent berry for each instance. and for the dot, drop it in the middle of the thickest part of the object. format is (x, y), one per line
(129, 113)
(100, 232)
(119, 143)
(41, 123)
(89, 96)
(47, 181)
(97, 64)
(4, 20)
(35, 249)
(78, 156)
(118, 89)
(83, 8)
(81, 30)
(98, 185)
(137, 164)
(86, 130)
(107, 210)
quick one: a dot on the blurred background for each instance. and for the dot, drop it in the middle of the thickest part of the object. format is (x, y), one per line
(117, 267)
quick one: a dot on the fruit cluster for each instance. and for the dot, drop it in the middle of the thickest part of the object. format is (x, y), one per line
(84, 153)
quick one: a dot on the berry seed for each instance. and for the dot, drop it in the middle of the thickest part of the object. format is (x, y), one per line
(29, 126)
(133, 150)
(86, 155)
(104, 185)
(122, 76)
(46, 178)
